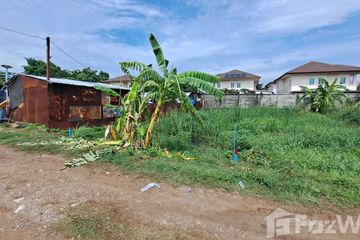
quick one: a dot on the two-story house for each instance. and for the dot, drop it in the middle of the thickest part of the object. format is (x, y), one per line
(311, 75)
(122, 81)
(237, 79)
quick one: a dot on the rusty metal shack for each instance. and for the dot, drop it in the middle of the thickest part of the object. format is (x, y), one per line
(60, 103)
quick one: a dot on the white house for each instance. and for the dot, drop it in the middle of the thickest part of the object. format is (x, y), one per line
(122, 81)
(310, 75)
(237, 79)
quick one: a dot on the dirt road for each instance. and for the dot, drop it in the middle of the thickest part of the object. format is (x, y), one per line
(35, 182)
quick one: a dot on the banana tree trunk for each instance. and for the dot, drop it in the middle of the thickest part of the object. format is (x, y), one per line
(153, 120)
(127, 130)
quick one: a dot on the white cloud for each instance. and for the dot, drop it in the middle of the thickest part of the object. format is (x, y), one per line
(225, 34)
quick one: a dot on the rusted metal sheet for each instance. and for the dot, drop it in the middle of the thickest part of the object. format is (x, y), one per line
(34, 107)
(16, 93)
(59, 105)
(77, 105)
(85, 112)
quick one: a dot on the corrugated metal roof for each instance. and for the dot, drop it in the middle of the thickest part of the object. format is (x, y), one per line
(78, 83)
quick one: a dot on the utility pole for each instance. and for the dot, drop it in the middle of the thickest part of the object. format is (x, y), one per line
(48, 58)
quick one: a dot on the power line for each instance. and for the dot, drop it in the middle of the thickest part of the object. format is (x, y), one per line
(22, 33)
(42, 38)
(67, 54)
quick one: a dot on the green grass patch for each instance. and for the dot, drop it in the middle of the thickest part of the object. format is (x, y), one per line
(284, 154)
(287, 155)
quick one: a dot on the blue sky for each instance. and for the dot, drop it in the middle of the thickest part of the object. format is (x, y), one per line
(264, 37)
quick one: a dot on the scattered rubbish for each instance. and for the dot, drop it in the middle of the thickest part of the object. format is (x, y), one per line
(107, 173)
(86, 158)
(242, 186)
(21, 207)
(149, 186)
(74, 205)
(184, 157)
(189, 190)
(18, 200)
(14, 125)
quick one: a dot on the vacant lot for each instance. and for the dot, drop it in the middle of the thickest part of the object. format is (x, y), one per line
(284, 154)
(101, 202)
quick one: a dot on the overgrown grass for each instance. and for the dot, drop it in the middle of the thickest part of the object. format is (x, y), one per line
(97, 222)
(284, 154)
(350, 114)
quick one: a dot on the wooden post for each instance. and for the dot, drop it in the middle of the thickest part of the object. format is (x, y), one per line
(48, 58)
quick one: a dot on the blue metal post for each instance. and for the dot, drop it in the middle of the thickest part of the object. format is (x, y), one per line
(235, 155)
(70, 132)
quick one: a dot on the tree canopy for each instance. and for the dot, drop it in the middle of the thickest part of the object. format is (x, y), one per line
(38, 68)
(2, 78)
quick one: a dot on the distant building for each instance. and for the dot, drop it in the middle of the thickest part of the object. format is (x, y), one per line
(310, 75)
(237, 80)
(122, 81)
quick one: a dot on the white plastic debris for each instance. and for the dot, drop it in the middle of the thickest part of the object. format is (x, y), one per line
(18, 200)
(242, 186)
(149, 186)
(21, 207)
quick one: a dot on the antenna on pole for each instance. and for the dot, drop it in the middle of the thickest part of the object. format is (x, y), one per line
(48, 58)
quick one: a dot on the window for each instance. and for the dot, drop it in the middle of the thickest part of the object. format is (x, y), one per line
(311, 81)
(321, 81)
(218, 85)
(232, 85)
(342, 80)
(238, 75)
(232, 75)
(227, 75)
(238, 85)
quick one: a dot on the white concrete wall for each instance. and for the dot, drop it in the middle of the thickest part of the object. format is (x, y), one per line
(247, 84)
(293, 83)
(248, 100)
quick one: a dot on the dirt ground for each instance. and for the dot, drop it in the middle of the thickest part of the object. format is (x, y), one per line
(36, 182)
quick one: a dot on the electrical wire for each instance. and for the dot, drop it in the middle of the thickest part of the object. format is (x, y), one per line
(22, 33)
(42, 38)
(67, 54)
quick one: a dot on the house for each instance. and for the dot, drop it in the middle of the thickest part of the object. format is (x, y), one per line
(60, 103)
(310, 75)
(237, 80)
(123, 81)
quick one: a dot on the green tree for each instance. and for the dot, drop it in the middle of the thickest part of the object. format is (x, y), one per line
(168, 85)
(259, 86)
(38, 68)
(324, 97)
(2, 78)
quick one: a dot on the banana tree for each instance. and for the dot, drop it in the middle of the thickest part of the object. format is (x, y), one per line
(168, 85)
(324, 97)
(134, 105)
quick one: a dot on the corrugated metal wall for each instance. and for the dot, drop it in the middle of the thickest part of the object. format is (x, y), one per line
(34, 105)
(73, 105)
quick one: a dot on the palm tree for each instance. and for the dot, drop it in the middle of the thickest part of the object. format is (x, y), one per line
(324, 97)
(168, 85)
